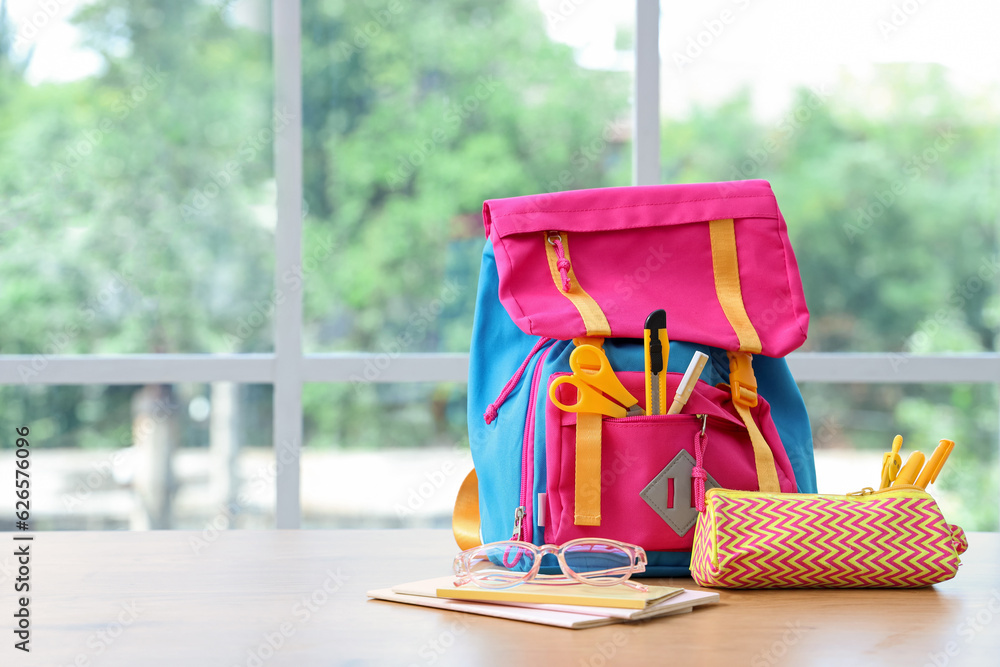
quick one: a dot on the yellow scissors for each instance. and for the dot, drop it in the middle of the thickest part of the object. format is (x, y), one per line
(593, 377)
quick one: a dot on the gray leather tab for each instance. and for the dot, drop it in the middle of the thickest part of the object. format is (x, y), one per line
(683, 515)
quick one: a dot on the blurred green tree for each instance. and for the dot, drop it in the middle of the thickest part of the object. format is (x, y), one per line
(892, 211)
(136, 204)
(413, 115)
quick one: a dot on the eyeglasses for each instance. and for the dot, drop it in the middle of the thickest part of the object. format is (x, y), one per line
(593, 561)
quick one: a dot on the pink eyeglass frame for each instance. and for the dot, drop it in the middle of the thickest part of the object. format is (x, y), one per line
(637, 557)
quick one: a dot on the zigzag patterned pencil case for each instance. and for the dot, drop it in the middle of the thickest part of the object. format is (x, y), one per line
(896, 537)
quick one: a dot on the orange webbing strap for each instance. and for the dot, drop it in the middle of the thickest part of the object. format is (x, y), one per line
(742, 381)
(587, 474)
(465, 518)
(726, 268)
(587, 469)
(744, 387)
(594, 319)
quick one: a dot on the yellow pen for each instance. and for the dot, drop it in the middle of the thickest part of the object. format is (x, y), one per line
(930, 472)
(891, 463)
(908, 473)
(656, 346)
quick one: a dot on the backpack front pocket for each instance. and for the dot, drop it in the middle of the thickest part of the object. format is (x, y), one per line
(653, 469)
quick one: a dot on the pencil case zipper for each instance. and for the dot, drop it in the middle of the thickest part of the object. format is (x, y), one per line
(902, 490)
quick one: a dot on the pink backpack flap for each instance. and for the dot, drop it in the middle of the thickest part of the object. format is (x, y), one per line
(596, 262)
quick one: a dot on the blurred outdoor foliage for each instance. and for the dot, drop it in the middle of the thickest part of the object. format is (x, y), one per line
(137, 208)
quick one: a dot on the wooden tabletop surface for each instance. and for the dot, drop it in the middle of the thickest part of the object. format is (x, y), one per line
(265, 598)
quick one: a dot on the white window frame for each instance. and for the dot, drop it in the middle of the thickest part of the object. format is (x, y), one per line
(288, 368)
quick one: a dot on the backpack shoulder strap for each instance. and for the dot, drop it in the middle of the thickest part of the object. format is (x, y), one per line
(743, 385)
(742, 382)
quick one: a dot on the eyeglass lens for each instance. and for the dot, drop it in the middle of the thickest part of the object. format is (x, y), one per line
(500, 565)
(590, 558)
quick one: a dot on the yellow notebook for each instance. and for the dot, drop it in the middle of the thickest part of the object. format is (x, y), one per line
(621, 597)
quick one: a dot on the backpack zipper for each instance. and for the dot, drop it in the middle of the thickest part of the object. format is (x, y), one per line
(717, 422)
(528, 449)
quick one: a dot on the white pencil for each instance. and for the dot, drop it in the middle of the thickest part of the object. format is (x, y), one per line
(686, 386)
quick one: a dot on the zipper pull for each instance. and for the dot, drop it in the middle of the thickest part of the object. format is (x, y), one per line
(867, 491)
(518, 516)
(494, 407)
(698, 473)
(555, 240)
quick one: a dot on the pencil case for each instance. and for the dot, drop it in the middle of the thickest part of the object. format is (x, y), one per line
(894, 538)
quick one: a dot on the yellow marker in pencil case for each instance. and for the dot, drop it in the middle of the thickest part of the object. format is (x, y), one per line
(908, 473)
(930, 472)
(594, 380)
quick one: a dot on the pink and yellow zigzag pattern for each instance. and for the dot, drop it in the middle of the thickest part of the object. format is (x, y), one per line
(799, 541)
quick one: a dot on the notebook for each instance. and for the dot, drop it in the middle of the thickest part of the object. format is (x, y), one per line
(560, 619)
(574, 594)
(423, 593)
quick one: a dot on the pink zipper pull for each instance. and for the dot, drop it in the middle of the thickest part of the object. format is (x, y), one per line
(699, 474)
(555, 238)
(491, 410)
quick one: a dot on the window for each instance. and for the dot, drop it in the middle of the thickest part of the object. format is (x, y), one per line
(875, 126)
(267, 216)
(413, 115)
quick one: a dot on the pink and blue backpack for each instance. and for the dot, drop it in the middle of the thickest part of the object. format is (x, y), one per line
(586, 267)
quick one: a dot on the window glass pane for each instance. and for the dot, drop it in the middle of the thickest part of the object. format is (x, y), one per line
(876, 124)
(877, 128)
(414, 113)
(390, 455)
(853, 426)
(136, 182)
(192, 456)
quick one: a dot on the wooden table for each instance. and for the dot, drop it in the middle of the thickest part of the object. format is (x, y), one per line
(267, 598)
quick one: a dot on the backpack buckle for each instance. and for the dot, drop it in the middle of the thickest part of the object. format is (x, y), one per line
(742, 381)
